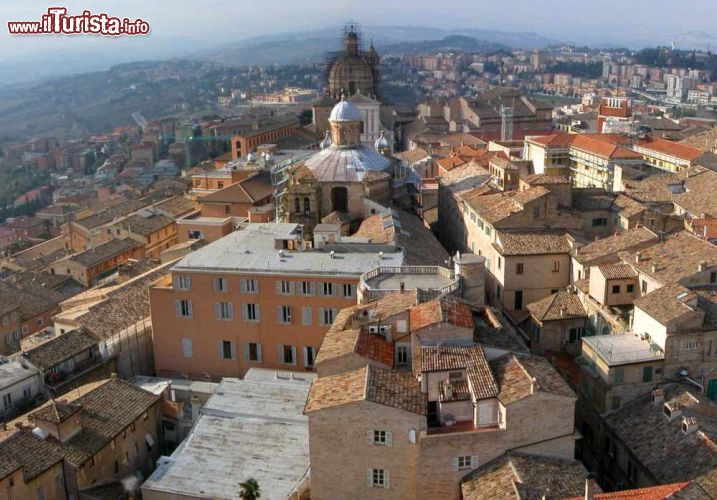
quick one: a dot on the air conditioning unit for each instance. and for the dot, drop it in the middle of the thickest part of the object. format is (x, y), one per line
(373, 329)
(384, 329)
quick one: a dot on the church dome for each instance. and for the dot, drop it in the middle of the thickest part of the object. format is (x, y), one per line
(350, 74)
(381, 143)
(345, 111)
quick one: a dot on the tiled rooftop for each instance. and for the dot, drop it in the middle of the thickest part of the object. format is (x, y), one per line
(607, 248)
(617, 271)
(395, 389)
(525, 477)
(60, 348)
(658, 444)
(520, 376)
(440, 310)
(532, 242)
(104, 252)
(668, 303)
(469, 358)
(558, 306)
(495, 208)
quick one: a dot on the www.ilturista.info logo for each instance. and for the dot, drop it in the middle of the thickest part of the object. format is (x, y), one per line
(56, 21)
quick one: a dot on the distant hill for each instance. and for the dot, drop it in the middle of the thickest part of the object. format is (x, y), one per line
(313, 45)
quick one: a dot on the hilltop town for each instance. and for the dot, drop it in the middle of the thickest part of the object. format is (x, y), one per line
(434, 274)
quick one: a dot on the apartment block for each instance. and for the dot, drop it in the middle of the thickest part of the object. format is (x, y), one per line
(258, 297)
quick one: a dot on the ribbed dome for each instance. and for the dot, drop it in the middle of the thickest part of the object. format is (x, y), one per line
(350, 73)
(345, 111)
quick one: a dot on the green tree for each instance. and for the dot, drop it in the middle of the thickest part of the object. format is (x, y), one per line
(249, 490)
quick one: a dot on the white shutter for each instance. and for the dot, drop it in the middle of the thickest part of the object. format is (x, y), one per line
(221, 350)
(306, 315)
(369, 437)
(230, 310)
(454, 464)
(178, 307)
(321, 316)
(258, 312)
(369, 478)
(389, 438)
(386, 479)
(312, 288)
(292, 286)
(217, 310)
(216, 285)
(246, 351)
(281, 355)
(242, 285)
(234, 350)
(258, 352)
(175, 282)
(278, 287)
(188, 282)
(245, 312)
(279, 318)
(474, 461)
(191, 310)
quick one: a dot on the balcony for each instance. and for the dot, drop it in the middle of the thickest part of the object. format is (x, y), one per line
(623, 349)
(431, 280)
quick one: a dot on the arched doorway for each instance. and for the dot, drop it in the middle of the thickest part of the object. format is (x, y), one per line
(340, 199)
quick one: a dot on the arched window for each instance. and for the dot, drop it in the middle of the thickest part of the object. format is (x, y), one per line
(297, 205)
(307, 205)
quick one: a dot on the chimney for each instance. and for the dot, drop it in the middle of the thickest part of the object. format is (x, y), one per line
(689, 425)
(654, 267)
(562, 312)
(589, 489)
(657, 396)
(702, 266)
(638, 256)
(18, 425)
(672, 410)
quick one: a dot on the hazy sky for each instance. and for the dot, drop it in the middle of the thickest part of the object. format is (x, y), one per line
(178, 26)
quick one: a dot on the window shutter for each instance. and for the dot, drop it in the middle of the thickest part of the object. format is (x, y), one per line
(278, 287)
(306, 315)
(369, 436)
(386, 479)
(178, 307)
(175, 282)
(217, 310)
(454, 464)
(281, 355)
(474, 461)
(230, 310)
(234, 350)
(245, 312)
(191, 310)
(291, 287)
(221, 351)
(242, 285)
(293, 355)
(369, 478)
(389, 438)
(258, 352)
(321, 316)
(312, 288)
(246, 351)
(216, 284)
(258, 312)
(305, 351)
(279, 319)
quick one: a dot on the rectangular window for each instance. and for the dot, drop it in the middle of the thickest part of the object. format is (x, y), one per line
(307, 288)
(536, 211)
(556, 266)
(249, 285)
(348, 290)
(326, 316)
(227, 350)
(619, 376)
(306, 315)
(250, 312)
(221, 285)
(401, 355)
(643, 286)
(713, 277)
(647, 374)
(382, 438)
(487, 230)
(184, 308)
(187, 347)
(288, 354)
(309, 356)
(630, 288)
(616, 289)
(465, 463)
(328, 288)
(27, 392)
(378, 478)
(224, 310)
(283, 314)
(182, 283)
(499, 261)
(6, 401)
(252, 352)
(283, 287)
(575, 334)
(519, 268)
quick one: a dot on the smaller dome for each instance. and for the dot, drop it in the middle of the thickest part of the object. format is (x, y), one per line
(326, 142)
(381, 142)
(345, 111)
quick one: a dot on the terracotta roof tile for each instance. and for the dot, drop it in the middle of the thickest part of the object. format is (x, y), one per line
(675, 149)
(495, 208)
(617, 271)
(60, 348)
(558, 306)
(668, 303)
(660, 492)
(375, 347)
(441, 310)
(532, 242)
(515, 376)
(469, 358)
(608, 248)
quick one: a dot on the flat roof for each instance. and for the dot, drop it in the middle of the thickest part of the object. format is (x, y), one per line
(250, 428)
(411, 281)
(253, 249)
(12, 372)
(623, 349)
